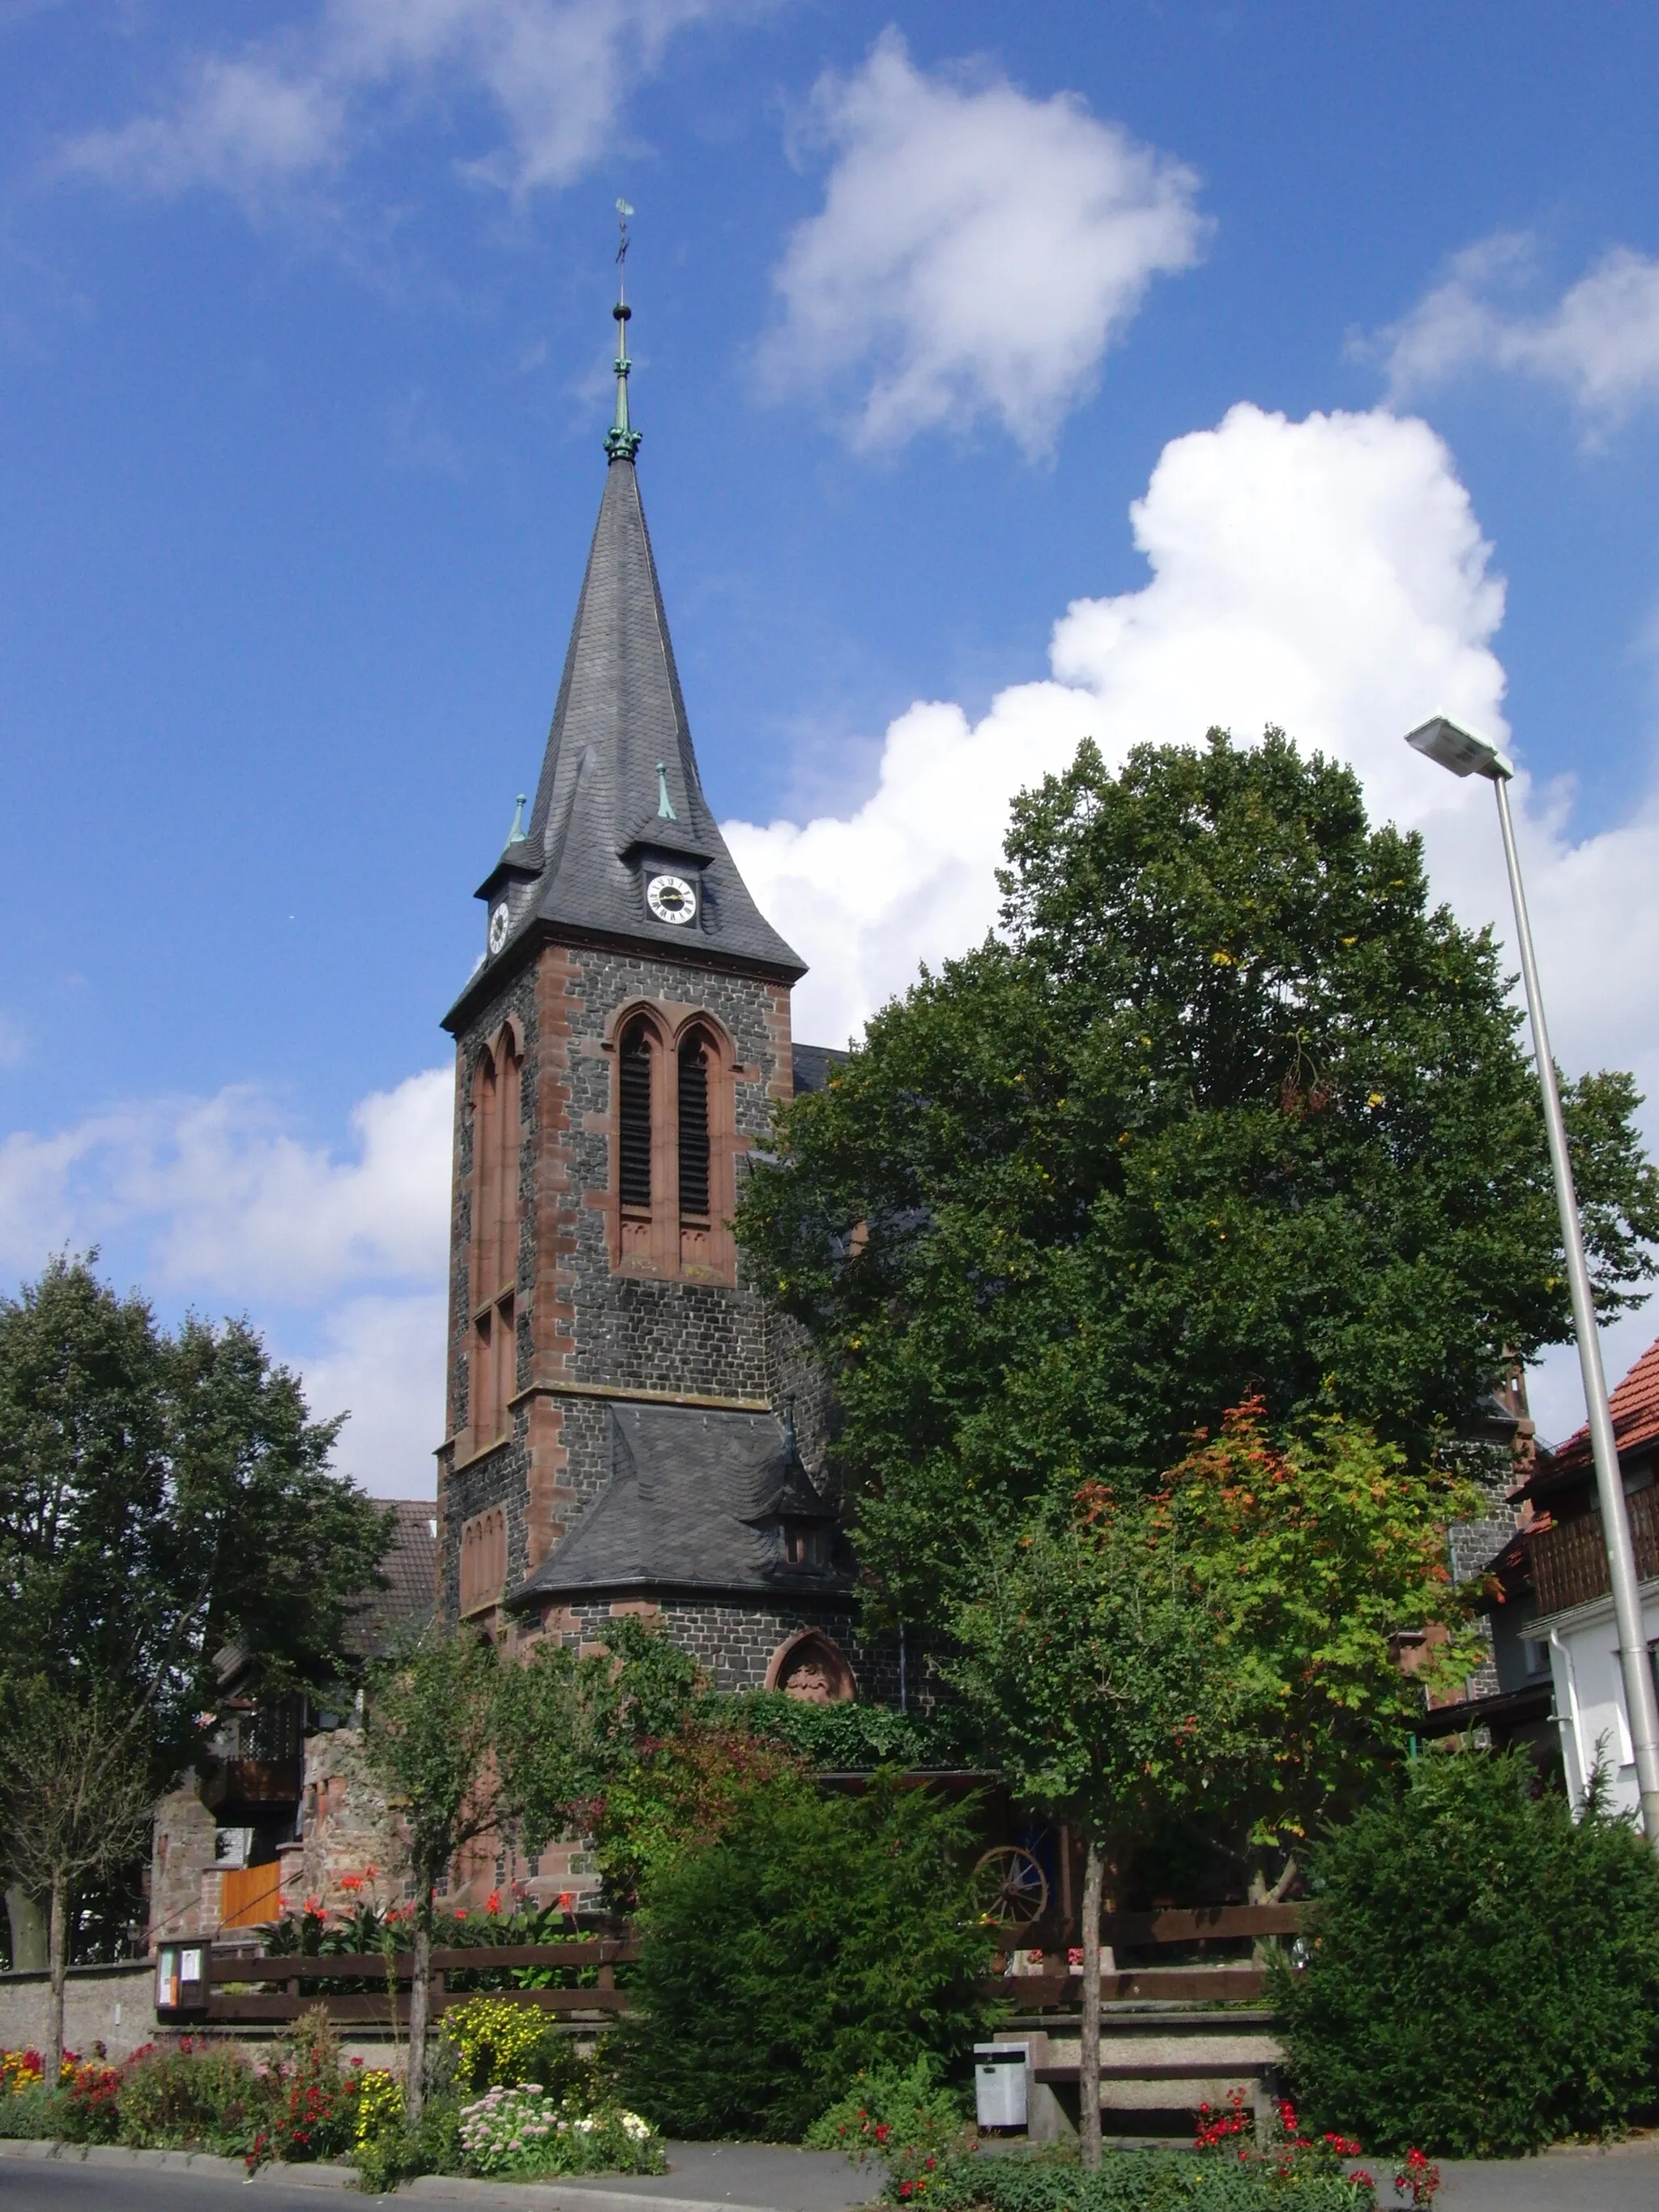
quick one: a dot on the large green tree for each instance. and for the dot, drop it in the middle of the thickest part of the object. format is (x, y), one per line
(163, 1497)
(1228, 1108)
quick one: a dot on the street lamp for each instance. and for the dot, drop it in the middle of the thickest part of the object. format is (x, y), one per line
(1464, 754)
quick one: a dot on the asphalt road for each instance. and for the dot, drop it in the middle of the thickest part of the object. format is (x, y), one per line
(749, 2177)
(754, 2175)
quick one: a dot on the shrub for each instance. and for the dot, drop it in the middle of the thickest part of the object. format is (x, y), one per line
(679, 1795)
(385, 2151)
(494, 2041)
(852, 1734)
(1140, 2181)
(1483, 1976)
(314, 2111)
(496, 2044)
(378, 2109)
(20, 2070)
(816, 1937)
(29, 2111)
(519, 2130)
(87, 2105)
(192, 2099)
(904, 2118)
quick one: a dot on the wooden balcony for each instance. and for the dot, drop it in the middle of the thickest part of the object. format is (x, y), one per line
(1568, 1561)
(255, 1786)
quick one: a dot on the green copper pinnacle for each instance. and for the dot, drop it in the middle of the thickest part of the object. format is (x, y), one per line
(621, 441)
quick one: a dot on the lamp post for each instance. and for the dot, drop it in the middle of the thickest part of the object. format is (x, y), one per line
(1464, 754)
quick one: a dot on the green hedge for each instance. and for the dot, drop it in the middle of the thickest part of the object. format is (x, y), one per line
(1483, 1974)
(817, 1936)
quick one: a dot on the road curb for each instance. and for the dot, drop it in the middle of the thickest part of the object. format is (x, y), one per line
(179, 2161)
(431, 2188)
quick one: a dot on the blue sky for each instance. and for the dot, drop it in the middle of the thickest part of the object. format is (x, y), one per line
(303, 351)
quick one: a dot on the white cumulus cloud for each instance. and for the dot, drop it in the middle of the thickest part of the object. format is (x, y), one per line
(977, 251)
(1329, 575)
(284, 109)
(1599, 342)
(382, 1358)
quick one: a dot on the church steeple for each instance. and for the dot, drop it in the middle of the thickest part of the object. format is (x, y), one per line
(621, 845)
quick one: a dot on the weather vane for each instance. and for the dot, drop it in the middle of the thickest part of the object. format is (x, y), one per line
(621, 441)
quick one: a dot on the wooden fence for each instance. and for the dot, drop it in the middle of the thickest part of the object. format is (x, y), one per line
(1221, 1981)
(246, 1989)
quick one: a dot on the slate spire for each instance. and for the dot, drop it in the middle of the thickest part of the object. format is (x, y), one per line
(620, 802)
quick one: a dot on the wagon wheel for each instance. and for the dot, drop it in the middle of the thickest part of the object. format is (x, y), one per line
(1009, 1887)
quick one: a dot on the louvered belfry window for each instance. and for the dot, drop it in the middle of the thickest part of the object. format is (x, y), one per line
(635, 1146)
(694, 1129)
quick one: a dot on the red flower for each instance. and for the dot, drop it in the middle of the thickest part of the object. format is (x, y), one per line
(493, 1902)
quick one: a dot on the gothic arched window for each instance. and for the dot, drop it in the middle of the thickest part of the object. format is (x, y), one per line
(675, 1146)
(694, 1128)
(634, 1130)
(495, 1147)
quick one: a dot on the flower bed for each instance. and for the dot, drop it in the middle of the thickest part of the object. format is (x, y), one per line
(507, 2094)
(907, 2122)
(191, 2093)
(518, 2132)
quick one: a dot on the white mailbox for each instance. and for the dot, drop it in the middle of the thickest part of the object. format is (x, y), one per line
(1000, 2084)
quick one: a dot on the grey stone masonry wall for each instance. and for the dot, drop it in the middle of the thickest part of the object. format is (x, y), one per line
(736, 1641)
(589, 1332)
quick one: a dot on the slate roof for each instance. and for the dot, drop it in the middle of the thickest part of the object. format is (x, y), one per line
(812, 1064)
(597, 820)
(1635, 1407)
(695, 1502)
(411, 1568)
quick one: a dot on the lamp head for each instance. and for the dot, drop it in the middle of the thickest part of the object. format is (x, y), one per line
(1460, 750)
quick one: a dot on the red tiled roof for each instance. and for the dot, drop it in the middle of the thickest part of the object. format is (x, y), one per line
(1635, 1405)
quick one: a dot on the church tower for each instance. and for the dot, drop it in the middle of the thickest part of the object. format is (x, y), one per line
(622, 1412)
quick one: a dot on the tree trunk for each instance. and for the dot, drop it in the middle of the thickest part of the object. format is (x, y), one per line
(28, 1929)
(420, 2004)
(58, 1960)
(1088, 2070)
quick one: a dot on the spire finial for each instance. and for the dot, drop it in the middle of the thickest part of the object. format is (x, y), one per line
(664, 803)
(622, 443)
(515, 835)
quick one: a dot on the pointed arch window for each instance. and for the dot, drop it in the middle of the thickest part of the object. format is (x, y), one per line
(634, 1132)
(694, 1070)
(496, 1099)
(675, 1140)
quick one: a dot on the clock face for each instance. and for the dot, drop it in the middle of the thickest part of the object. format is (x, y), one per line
(498, 927)
(671, 898)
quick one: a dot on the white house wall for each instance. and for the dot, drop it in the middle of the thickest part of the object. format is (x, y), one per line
(1589, 1694)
